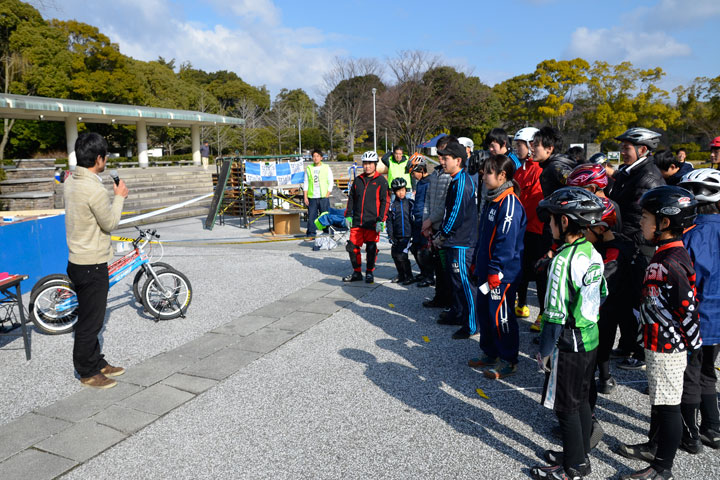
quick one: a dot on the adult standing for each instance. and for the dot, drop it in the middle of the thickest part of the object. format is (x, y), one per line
(205, 154)
(397, 166)
(317, 186)
(89, 219)
(498, 142)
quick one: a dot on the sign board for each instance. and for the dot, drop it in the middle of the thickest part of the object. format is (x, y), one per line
(219, 192)
(286, 173)
(613, 156)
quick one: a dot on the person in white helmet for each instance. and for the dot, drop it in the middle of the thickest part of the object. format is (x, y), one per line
(468, 144)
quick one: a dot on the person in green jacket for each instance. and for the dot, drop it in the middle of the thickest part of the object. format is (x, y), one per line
(317, 187)
(396, 166)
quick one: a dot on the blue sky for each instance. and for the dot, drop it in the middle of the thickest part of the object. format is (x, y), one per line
(291, 44)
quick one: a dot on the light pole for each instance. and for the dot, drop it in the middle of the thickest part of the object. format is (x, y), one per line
(374, 90)
(299, 137)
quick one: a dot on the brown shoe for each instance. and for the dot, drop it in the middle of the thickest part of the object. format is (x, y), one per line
(110, 371)
(98, 381)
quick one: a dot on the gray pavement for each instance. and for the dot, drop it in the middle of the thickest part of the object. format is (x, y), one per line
(299, 378)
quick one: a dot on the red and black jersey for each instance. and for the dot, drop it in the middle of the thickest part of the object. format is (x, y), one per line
(368, 201)
(668, 311)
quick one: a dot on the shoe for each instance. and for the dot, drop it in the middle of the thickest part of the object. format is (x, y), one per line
(522, 312)
(449, 321)
(554, 472)
(110, 371)
(649, 474)
(535, 327)
(397, 279)
(425, 283)
(606, 385)
(433, 303)
(409, 281)
(596, 433)
(369, 277)
(484, 361)
(444, 315)
(503, 369)
(693, 446)
(98, 381)
(620, 353)
(710, 437)
(632, 364)
(462, 334)
(553, 457)
(641, 451)
(353, 277)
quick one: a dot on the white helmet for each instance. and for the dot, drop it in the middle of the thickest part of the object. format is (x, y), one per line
(369, 156)
(640, 136)
(704, 183)
(526, 134)
(466, 142)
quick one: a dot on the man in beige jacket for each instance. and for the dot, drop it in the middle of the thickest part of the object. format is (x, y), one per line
(89, 219)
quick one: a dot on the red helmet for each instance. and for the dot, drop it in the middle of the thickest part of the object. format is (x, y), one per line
(609, 216)
(588, 174)
(715, 143)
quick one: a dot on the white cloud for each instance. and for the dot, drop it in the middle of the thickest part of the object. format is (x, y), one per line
(668, 14)
(618, 44)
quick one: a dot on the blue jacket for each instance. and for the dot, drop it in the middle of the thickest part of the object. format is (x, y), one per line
(399, 224)
(500, 243)
(703, 243)
(418, 208)
(674, 179)
(459, 225)
(512, 156)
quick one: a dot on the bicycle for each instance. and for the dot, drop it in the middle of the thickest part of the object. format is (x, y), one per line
(165, 294)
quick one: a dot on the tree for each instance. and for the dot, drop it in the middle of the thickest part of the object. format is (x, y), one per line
(330, 120)
(556, 83)
(301, 108)
(699, 105)
(252, 114)
(516, 99)
(278, 121)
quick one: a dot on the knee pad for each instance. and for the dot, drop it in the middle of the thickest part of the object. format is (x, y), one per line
(350, 247)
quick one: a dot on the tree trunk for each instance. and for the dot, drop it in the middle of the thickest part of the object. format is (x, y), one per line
(7, 127)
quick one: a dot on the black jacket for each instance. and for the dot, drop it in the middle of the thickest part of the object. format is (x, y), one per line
(368, 201)
(555, 171)
(399, 222)
(627, 190)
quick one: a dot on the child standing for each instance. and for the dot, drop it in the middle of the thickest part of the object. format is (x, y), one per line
(420, 248)
(498, 260)
(569, 333)
(399, 230)
(669, 320)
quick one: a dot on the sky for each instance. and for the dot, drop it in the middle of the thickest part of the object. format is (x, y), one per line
(292, 43)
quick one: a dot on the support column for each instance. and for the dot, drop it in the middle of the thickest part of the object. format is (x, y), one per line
(195, 136)
(71, 134)
(142, 144)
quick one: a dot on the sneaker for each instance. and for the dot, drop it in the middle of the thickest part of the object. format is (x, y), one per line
(433, 303)
(110, 371)
(606, 385)
(369, 277)
(620, 353)
(535, 327)
(596, 433)
(462, 334)
(522, 312)
(710, 437)
(632, 364)
(649, 474)
(353, 277)
(553, 457)
(641, 451)
(693, 446)
(409, 281)
(502, 370)
(554, 472)
(425, 283)
(397, 279)
(98, 381)
(484, 361)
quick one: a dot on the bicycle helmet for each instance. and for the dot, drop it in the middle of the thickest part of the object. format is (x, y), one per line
(398, 183)
(641, 136)
(416, 162)
(609, 215)
(588, 174)
(598, 159)
(704, 183)
(466, 142)
(672, 202)
(526, 134)
(370, 156)
(579, 205)
(715, 143)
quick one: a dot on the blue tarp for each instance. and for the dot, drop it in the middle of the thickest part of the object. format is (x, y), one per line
(432, 142)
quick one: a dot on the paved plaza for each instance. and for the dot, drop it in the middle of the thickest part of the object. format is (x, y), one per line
(282, 371)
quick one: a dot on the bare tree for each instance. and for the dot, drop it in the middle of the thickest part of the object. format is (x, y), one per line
(330, 118)
(252, 114)
(13, 66)
(279, 121)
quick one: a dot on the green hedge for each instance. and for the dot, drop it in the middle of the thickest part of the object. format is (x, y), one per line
(698, 156)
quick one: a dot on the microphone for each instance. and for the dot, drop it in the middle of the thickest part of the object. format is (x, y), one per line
(114, 175)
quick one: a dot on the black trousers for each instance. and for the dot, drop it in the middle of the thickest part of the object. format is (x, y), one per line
(316, 206)
(91, 285)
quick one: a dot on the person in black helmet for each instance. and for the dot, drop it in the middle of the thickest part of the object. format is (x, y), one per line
(670, 326)
(399, 231)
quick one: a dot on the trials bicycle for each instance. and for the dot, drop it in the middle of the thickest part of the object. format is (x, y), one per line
(165, 294)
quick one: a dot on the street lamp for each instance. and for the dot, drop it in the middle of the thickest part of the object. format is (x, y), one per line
(374, 90)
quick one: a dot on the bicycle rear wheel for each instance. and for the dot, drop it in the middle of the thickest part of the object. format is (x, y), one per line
(53, 305)
(168, 297)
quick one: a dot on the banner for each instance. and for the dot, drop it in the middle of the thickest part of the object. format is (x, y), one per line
(289, 173)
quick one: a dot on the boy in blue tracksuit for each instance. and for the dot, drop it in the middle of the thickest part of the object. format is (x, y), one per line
(399, 230)
(498, 261)
(457, 237)
(420, 248)
(703, 243)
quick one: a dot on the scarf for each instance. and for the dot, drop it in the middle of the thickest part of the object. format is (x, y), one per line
(491, 195)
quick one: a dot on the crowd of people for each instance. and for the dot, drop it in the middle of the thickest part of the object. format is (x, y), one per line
(637, 248)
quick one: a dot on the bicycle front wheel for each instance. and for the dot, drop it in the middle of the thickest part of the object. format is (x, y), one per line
(141, 274)
(167, 297)
(53, 305)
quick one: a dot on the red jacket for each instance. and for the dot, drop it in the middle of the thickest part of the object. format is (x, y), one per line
(368, 201)
(528, 177)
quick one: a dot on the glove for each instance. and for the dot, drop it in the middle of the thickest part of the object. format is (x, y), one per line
(493, 281)
(379, 227)
(542, 265)
(438, 240)
(348, 221)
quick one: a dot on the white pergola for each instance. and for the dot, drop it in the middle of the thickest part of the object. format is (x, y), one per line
(73, 111)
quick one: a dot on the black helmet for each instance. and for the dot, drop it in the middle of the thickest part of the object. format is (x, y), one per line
(579, 205)
(674, 203)
(598, 158)
(641, 136)
(477, 160)
(398, 183)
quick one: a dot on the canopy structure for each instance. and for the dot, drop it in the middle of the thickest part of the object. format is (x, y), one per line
(432, 142)
(73, 111)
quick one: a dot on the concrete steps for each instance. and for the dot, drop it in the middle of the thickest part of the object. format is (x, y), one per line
(29, 185)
